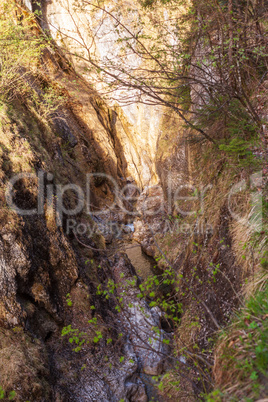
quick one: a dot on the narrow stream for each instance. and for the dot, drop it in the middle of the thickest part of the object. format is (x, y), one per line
(144, 267)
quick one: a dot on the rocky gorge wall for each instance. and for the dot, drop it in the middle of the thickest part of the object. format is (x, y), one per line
(44, 269)
(139, 126)
(42, 265)
(56, 281)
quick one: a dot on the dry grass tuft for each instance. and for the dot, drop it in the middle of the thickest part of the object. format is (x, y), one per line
(241, 357)
(23, 366)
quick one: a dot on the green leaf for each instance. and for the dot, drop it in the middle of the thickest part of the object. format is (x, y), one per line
(254, 376)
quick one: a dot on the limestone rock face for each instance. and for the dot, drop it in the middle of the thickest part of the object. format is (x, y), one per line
(135, 127)
(33, 265)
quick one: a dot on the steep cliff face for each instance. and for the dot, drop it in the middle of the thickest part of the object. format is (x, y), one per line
(137, 127)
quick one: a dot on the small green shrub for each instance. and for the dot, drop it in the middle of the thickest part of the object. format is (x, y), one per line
(239, 149)
(10, 396)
